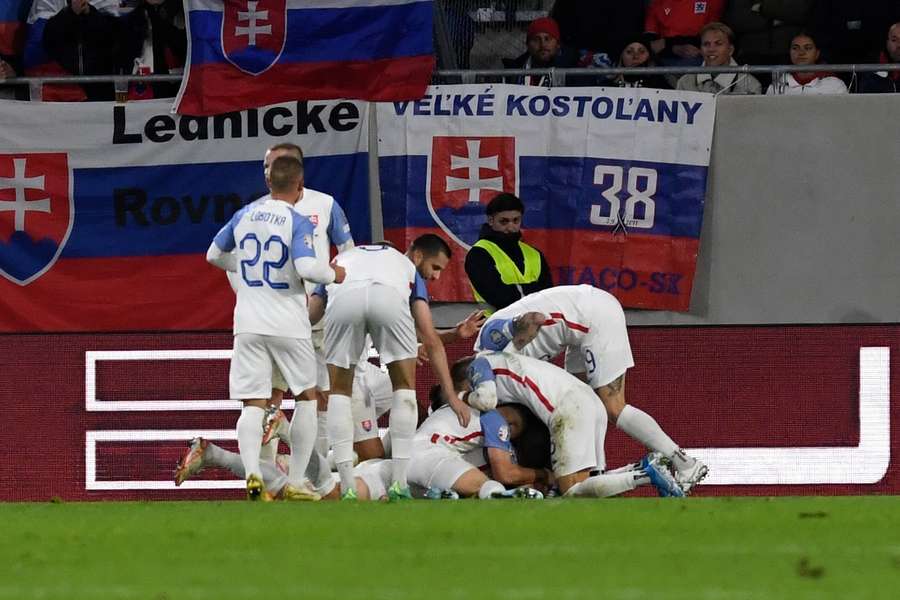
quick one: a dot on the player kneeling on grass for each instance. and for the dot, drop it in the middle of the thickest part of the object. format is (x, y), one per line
(568, 408)
(588, 324)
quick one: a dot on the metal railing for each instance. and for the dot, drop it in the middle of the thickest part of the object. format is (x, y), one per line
(556, 76)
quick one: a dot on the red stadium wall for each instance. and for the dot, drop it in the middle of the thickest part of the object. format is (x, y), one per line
(778, 388)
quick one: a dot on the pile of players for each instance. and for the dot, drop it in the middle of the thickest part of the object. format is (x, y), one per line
(505, 422)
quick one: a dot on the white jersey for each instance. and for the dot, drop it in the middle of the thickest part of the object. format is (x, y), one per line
(585, 322)
(376, 264)
(540, 386)
(267, 236)
(330, 228)
(442, 428)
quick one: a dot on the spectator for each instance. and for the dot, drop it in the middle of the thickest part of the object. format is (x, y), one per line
(805, 51)
(501, 267)
(850, 31)
(86, 40)
(677, 25)
(543, 51)
(717, 45)
(884, 82)
(6, 71)
(598, 26)
(159, 25)
(764, 29)
(637, 54)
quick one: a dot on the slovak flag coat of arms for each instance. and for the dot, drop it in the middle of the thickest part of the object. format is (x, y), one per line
(36, 213)
(464, 174)
(254, 33)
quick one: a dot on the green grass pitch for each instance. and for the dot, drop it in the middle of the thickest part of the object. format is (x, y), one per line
(619, 549)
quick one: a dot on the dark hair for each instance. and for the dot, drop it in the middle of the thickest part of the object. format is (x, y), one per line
(805, 33)
(430, 245)
(504, 201)
(284, 173)
(289, 147)
(458, 370)
(533, 446)
(435, 398)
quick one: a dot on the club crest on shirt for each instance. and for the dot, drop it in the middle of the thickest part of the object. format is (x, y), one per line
(699, 8)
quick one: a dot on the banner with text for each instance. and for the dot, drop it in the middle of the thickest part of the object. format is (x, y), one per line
(613, 180)
(106, 211)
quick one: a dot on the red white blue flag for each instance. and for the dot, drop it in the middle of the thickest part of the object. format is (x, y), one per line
(613, 180)
(249, 53)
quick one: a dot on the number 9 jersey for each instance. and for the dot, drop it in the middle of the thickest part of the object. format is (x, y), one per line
(272, 251)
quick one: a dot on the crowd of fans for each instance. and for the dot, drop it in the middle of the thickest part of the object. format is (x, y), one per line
(108, 37)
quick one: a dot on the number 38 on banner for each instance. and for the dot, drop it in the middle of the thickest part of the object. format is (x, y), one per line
(640, 208)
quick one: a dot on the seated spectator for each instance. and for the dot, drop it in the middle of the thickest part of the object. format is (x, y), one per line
(637, 54)
(677, 25)
(159, 25)
(598, 27)
(804, 51)
(763, 29)
(717, 45)
(884, 82)
(543, 51)
(87, 40)
(6, 71)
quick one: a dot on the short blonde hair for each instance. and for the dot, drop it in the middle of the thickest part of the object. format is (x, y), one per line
(721, 28)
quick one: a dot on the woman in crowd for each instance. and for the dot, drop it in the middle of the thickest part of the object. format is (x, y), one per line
(805, 51)
(637, 54)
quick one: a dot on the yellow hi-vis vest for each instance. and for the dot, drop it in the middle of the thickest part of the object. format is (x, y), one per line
(509, 272)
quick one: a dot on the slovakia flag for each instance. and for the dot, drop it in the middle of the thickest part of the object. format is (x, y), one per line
(248, 53)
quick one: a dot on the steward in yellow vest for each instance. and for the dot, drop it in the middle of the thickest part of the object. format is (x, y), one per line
(501, 267)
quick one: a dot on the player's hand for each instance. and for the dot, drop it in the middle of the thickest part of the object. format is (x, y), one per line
(422, 356)
(471, 325)
(462, 411)
(340, 273)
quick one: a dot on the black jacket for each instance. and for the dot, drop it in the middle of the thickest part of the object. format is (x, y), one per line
(485, 278)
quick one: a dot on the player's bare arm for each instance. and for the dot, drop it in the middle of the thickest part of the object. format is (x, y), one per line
(437, 355)
(507, 472)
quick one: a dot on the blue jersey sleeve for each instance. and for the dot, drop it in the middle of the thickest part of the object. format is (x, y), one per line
(320, 291)
(496, 431)
(339, 228)
(479, 371)
(302, 237)
(419, 291)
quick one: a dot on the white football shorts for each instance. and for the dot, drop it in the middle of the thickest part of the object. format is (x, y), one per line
(372, 308)
(573, 433)
(434, 465)
(372, 397)
(376, 473)
(254, 355)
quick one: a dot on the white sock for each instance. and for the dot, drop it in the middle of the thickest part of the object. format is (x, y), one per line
(644, 428)
(250, 433)
(319, 473)
(322, 432)
(303, 438)
(340, 430)
(624, 468)
(268, 452)
(404, 418)
(603, 486)
(600, 431)
(490, 487)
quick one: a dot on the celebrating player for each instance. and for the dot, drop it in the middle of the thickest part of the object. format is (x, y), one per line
(386, 298)
(589, 325)
(569, 410)
(271, 246)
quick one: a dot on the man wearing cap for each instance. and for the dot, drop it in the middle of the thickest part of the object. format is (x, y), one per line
(501, 267)
(543, 52)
